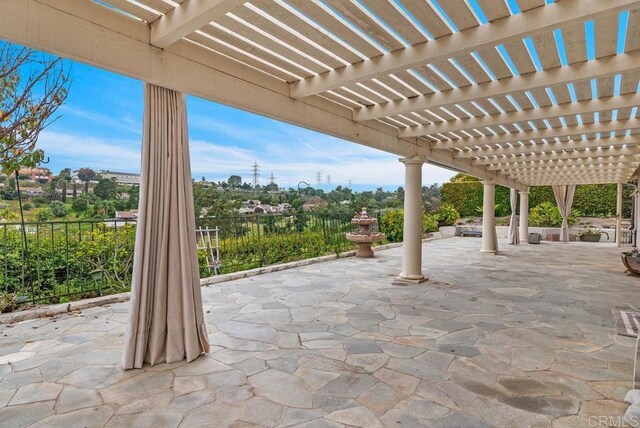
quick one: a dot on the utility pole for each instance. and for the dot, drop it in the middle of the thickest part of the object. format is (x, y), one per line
(255, 171)
(319, 178)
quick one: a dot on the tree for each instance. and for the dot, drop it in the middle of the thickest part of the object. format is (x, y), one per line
(235, 181)
(462, 177)
(32, 87)
(75, 191)
(51, 194)
(64, 191)
(106, 189)
(79, 204)
(86, 175)
(65, 174)
(58, 209)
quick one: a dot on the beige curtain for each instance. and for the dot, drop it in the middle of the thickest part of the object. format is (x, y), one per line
(514, 238)
(166, 321)
(564, 198)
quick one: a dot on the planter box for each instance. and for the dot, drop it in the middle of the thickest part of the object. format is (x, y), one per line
(590, 237)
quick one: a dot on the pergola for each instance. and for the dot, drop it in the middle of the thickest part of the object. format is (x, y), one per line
(517, 92)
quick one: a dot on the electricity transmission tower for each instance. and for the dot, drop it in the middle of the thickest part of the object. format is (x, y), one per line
(328, 179)
(319, 178)
(272, 179)
(349, 184)
(255, 171)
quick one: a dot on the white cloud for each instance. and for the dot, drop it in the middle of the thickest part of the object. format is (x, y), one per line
(292, 159)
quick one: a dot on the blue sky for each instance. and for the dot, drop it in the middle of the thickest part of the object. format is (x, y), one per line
(100, 127)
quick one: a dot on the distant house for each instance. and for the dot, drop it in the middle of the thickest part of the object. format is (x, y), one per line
(31, 191)
(121, 177)
(127, 215)
(314, 203)
(37, 174)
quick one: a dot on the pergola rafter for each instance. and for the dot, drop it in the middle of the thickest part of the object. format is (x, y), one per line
(541, 147)
(585, 155)
(539, 134)
(524, 116)
(533, 22)
(574, 74)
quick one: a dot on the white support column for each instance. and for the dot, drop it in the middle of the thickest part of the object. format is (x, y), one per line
(524, 216)
(412, 235)
(619, 216)
(489, 238)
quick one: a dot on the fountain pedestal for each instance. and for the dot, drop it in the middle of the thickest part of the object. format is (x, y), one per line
(364, 237)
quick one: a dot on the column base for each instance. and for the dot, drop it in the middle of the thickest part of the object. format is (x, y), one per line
(489, 251)
(410, 280)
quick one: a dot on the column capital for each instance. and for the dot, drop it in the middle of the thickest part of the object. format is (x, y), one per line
(488, 182)
(524, 192)
(413, 160)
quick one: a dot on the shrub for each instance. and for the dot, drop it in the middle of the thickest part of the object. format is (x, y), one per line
(27, 206)
(44, 214)
(7, 302)
(429, 223)
(58, 209)
(446, 215)
(392, 224)
(547, 214)
(80, 204)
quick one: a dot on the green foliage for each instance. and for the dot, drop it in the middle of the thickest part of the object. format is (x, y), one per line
(392, 224)
(591, 200)
(462, 177)
(7, 302)
(44, 214)
(58, 209)
(429, 223)
(446, 215)
(547, 214)
(79, 204)
(106, 189)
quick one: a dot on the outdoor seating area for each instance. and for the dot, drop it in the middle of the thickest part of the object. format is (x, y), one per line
(518, 339)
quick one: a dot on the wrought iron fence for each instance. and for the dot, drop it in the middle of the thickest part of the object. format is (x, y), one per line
(78, 259)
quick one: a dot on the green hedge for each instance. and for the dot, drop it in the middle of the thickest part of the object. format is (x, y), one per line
(591, 200)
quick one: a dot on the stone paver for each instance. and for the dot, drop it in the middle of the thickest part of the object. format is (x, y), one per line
(518, 339)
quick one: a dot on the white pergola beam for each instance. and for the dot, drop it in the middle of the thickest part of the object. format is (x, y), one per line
(560, 181)
(535, 165)
(530, 23)
(539, 147)
(574, 73)
(99, 36)
(572, 172)
(514, 137)
(187, 18)
(540, 157)
(494, 120)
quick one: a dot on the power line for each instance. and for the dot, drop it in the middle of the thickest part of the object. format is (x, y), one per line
(255, 171)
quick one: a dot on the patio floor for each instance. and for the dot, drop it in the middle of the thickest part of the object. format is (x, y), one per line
(524, 338)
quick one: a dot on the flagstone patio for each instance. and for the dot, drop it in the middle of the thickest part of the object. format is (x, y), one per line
(524, 338)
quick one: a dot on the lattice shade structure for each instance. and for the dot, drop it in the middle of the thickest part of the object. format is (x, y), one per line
(522, 92)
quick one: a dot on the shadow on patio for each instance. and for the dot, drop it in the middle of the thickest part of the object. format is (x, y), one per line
(525, 338)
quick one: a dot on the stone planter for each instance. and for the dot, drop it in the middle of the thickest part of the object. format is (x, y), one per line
(590, 237)
(631, 261)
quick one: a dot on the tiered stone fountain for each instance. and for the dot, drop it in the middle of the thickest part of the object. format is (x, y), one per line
(364, 237)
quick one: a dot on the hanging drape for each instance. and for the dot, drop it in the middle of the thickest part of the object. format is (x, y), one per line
(564, 198)
(166, 321)
(514, 237)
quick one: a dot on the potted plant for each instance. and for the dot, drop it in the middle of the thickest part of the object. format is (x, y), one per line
(591, 235)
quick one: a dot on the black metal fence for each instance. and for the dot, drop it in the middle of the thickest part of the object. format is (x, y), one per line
(79, 259)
